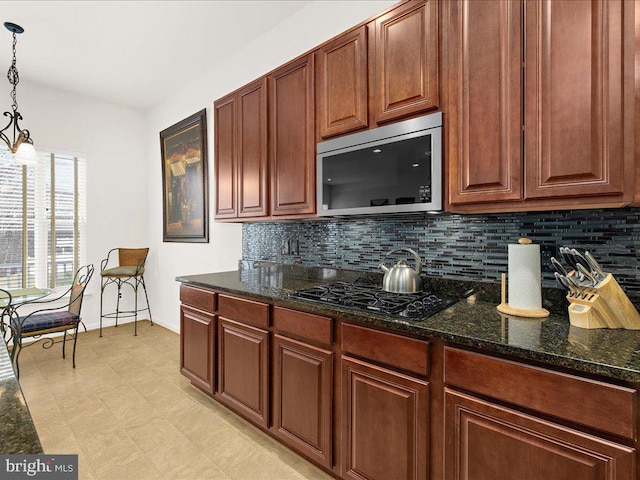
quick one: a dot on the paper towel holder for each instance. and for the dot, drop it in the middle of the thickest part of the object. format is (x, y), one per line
(504, 306)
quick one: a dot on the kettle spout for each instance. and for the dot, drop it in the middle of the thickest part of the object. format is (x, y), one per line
(383, 267)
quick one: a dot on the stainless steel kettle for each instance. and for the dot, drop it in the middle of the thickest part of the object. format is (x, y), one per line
(402, 278)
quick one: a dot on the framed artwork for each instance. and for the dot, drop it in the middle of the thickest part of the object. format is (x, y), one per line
(185, 180)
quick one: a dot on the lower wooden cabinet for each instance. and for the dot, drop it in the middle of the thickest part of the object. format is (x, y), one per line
(583, 402)
(243, 370)
(485, 441)
(363, 403)
(197, 341)
(385, 423)
(302, 397)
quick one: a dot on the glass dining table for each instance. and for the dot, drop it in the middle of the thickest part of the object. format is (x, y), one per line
(10, 300)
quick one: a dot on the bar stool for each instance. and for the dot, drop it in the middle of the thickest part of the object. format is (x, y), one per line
(130, 271)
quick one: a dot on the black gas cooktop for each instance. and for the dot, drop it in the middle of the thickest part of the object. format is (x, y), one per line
(368, 297)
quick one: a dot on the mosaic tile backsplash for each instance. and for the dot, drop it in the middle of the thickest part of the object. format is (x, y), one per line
(459, 247)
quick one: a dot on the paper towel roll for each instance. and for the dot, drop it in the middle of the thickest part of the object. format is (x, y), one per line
(524, 277)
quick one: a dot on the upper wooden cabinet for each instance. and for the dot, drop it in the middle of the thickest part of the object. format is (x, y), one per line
(252, 150)
(575, 86)
(225, 125)
(265, 133)
(484, 80)
(245, 168)
(241, 152)
(379, 72)
(292, 138)
(539, 110)
(341, 81)
(406, 61)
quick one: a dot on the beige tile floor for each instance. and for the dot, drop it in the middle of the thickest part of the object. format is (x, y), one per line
(129, 414)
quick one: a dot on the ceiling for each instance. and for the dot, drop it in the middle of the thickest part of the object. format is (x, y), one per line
(132, 53)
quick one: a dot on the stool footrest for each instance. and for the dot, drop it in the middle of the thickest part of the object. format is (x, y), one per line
(123, 313)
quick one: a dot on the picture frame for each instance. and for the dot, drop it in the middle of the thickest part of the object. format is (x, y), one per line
(185, 192)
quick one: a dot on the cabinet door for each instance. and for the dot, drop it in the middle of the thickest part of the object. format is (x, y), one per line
(483, 67)
(302, 397)
(225, 156)
(197, 343)
(406, 53)
(243, 370)
(576, 88)
(252, 150)
(292, 138)
(385, 423)
(485, 441)
(342, 84)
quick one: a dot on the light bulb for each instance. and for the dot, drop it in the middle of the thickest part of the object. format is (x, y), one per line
(26, 154)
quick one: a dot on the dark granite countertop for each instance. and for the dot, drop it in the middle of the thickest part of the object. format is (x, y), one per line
(17, 433)
(610, 353)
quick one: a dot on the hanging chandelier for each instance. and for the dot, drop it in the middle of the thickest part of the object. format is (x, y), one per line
(21, 143)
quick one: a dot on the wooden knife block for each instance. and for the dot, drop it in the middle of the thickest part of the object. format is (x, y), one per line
(605, 306)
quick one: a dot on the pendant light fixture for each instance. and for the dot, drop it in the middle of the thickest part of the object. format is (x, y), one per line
(21, 143)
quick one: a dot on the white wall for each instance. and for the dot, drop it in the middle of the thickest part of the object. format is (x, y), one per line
(111, 138)
(309, 27)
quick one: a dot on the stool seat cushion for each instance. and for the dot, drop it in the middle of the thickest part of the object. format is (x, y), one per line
(122, 271)
(43, 321)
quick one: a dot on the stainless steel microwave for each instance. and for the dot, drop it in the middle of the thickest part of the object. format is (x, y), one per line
(392, 169)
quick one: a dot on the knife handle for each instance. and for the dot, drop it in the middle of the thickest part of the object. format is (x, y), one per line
(561, 280)
(579, 258)
(557, 266)
(571, 261)
(587, 274)
(595, 266)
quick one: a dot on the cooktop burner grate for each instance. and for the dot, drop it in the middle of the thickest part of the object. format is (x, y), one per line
(371, 297)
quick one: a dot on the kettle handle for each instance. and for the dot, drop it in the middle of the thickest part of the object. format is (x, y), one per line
(412, 252)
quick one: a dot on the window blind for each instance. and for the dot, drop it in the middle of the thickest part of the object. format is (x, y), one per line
(11, 213)
(42, 220)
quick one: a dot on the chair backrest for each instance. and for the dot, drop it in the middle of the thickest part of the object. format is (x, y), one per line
(80, 282)
(132, 256)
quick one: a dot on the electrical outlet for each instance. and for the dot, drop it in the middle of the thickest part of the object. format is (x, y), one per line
(293, 246)
(546, 252)
(290, 246)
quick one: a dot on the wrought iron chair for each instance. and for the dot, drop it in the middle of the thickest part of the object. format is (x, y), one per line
(130, 271)
(53, 319)
(5, 315)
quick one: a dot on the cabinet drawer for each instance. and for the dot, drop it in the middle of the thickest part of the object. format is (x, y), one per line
(246, 311)
(605, 407)
(198, 298)
(304, 325)
(393, 350)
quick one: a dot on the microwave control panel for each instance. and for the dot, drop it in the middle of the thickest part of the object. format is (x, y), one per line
(424, 193)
